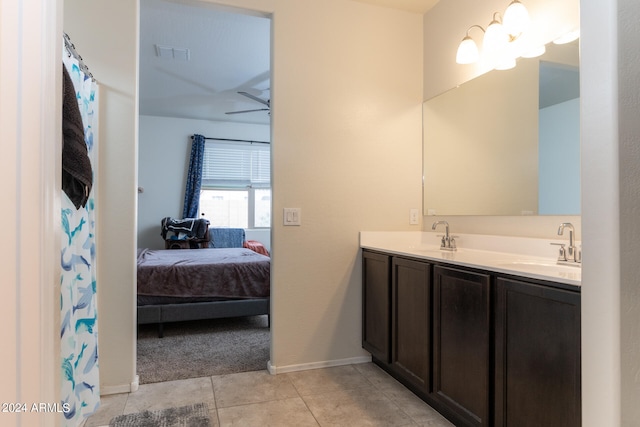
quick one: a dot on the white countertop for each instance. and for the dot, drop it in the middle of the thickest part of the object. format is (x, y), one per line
(526, 257)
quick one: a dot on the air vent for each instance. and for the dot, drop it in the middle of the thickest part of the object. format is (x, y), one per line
(168, 52)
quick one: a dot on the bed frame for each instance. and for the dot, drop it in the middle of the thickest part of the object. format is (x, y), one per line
(162, 313)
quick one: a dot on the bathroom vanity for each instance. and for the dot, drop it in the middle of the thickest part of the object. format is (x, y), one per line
(489, 334)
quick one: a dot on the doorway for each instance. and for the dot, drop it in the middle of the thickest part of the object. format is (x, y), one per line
(204, 69)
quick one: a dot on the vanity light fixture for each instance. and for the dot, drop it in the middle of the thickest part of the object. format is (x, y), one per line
(468, 50)
(498, 37)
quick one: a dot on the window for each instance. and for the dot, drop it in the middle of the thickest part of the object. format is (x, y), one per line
(236, 185)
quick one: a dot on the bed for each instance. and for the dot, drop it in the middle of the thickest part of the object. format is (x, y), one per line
(194, 284)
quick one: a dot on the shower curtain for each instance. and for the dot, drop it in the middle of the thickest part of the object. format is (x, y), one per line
(80, 395)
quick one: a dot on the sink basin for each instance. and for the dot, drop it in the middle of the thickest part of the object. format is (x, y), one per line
(541, 266)
(426, 249)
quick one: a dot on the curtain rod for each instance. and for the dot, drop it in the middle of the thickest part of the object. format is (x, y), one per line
(236, 140)
(71, 50)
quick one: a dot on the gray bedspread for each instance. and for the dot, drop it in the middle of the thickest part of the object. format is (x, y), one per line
(226, 273)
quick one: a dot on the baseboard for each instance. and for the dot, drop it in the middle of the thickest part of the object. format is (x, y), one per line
(122, 388)
(274, 370)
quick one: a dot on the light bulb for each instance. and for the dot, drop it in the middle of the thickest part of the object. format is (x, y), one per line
(495, 38)
(467, 51)
(516, 19)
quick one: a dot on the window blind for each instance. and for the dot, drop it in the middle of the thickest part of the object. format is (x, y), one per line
(236, 165)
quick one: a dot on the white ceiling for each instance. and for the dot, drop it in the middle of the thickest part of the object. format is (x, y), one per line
(228, 52)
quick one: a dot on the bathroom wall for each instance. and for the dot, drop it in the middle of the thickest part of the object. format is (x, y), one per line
(346, 144)
(444, 28)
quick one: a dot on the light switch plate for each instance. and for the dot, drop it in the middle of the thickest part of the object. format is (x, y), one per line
(291, 216)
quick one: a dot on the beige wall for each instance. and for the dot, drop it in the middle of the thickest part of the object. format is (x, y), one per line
(346, 150)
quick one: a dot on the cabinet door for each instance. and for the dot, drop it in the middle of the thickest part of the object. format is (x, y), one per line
(461, 345)
(410, 321)
(537, 356)
(376, 308)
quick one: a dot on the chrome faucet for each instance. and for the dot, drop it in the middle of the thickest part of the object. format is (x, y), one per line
(572, 254)
(447, 243)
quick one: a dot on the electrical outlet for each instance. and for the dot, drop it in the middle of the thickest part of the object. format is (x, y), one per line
(413, 217)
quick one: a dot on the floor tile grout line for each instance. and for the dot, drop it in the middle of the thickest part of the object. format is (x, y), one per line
(365, 387)
(124, 407)
(389, 395)
(310, 411)
(215, 400)
(261, 401)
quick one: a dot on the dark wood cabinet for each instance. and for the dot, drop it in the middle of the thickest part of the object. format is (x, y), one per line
(482, 348)
(376, 305)
(462, 345)
(537, 356)
(410, 321)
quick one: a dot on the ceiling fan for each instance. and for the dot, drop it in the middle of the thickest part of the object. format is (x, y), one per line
(255, 98)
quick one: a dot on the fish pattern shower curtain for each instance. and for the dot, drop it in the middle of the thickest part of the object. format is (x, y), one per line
(80, 395)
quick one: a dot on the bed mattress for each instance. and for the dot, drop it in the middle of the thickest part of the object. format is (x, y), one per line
(233, 273)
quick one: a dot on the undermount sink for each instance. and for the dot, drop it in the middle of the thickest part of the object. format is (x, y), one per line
(429, 250)
(425, 249)
(542, 265)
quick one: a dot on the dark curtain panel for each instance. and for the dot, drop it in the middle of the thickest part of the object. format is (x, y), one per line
(194, 178)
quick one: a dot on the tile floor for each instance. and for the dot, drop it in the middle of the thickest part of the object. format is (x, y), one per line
(352, 395)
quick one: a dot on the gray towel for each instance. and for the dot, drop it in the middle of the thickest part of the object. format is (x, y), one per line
(77, 176)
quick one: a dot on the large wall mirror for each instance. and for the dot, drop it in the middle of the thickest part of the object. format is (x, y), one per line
(507, 142)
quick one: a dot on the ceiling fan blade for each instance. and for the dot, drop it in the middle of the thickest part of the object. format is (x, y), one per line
(255, 98)
(246, 111)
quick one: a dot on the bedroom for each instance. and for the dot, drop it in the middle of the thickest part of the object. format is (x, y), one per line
(319, 301)
(223, 53)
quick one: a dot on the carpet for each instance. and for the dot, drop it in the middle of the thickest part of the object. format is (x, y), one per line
(202, 348)
(184, 416)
